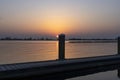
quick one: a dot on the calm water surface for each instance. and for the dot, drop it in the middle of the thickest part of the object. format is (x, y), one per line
(27, 51)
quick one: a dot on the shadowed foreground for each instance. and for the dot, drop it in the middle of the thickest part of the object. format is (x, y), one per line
(57, 68)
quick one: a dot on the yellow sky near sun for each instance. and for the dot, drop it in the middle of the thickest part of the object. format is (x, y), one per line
(57, 22)
(56, 25)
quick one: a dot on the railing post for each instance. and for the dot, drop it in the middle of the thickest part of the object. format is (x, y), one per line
(118, 45)
(118, 73)
(61, 39)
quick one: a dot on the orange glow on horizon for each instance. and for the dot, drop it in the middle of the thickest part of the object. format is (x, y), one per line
(54, 23)
(55, 26)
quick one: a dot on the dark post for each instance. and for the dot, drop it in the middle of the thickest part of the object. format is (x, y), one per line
(61, 46)
(118, 45)
(118, 73)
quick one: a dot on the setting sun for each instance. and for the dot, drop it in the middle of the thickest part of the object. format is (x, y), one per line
(57, 36)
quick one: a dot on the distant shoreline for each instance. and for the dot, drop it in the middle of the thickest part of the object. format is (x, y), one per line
(92, 41)
(74, 41)
(28, 40)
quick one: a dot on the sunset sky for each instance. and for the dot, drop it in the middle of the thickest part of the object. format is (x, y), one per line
(76, 18)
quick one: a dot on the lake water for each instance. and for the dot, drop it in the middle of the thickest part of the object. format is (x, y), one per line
(29, 51)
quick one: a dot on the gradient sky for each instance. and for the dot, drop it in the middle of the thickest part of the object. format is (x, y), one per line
(76, 18)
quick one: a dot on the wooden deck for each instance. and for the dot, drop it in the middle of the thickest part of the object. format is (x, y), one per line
(20, 70)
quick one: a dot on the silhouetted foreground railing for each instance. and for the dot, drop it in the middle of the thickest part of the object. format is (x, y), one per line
(118, 45)
(73, 73)
(62, 65)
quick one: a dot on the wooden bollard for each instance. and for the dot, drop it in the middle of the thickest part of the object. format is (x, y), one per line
(118, 45)
(61, 39)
